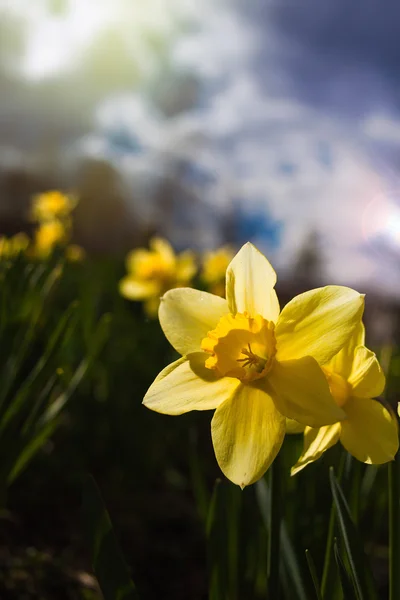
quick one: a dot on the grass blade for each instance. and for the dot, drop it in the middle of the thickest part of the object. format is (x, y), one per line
(347, 588)
(107, 559)
(314, 576)
(359, 568)
(288, 554)
(216, 538)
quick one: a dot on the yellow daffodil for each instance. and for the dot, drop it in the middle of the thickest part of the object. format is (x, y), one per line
(251, 362)
(49, 235)
(11, 247)
(52, 205)
(153, 272)
(215, 264)
(370, 431)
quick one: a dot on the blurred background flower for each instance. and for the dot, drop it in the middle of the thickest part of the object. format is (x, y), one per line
(215, 264)
(155, 271)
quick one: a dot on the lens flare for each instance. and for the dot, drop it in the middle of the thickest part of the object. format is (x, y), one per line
(381, 222)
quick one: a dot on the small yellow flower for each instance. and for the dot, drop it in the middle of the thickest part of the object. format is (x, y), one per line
(74, 253)
(215, 264)
(252, 362)
(369, 432)
(11, 247)
(153, 272)
(49, 235)
(52, 205)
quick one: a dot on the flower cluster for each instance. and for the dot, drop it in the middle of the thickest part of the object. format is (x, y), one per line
(258, 366)
(52, 212)
(10, 247)
(151, 273)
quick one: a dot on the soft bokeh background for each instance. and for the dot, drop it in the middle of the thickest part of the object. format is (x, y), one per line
(206, 122)
(273, 121)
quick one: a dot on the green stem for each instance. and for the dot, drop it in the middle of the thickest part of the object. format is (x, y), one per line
(275, 516)
(394, 528)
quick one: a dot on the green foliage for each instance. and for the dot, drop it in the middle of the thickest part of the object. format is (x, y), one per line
(106, 557)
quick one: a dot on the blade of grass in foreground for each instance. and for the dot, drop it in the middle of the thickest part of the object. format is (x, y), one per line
(216, 536)
(314, 576)
(288, 554)
(107, 560)
(329, 581)
(347, 587)
(359, 568)
(394, 527)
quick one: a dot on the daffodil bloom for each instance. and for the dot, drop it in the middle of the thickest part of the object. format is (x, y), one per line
(153, 272)
(370, 431)
(215, 264)
(252, 363)
(52, 205)
(11, 247)
(49, 235)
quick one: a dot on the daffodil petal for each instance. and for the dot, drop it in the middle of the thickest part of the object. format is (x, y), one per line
(318, 323)
(301, 392)
(250, 281)
(185, 267)
(134, 289)
(366, 378)
(293, 426)
(370, 432)
(247, 433)
(187, 385)
(316, 442)
(187, 315)
(163, 249)
(342, 362)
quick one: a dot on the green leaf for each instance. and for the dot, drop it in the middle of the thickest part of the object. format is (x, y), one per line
(347, 587)
(314, 576)
(30, 448)
(289, 559)
(216, 542)
(107, 559)
(22, 397)
(359, 568)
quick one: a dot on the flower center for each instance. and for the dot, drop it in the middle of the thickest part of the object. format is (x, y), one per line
(338, 386)
(241, 346)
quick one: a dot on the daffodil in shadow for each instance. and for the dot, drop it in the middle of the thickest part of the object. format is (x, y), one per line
(251, 362)
(52, 205)
(370, 431)
(152, 272)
